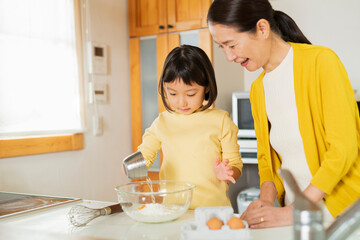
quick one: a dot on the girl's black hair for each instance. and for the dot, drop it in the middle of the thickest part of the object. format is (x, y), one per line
(191, 65)
(244, 15)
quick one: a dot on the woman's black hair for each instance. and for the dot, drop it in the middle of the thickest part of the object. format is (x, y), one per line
(244, 15)
(189, 64)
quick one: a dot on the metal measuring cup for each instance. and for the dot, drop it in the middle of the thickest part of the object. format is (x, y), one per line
(135, 166)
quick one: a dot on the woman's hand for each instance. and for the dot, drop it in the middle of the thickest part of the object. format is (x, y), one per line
(255, 205)
(223, 171)
(263, 214)
(268, 216)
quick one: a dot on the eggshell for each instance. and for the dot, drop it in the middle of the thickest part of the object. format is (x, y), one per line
(214, 223)
(235, 223)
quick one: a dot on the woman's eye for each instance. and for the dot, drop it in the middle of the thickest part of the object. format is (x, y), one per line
(232, 46)
(191, 95)
(172, 94)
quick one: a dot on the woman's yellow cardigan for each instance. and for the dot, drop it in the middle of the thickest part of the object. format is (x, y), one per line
(328, 122)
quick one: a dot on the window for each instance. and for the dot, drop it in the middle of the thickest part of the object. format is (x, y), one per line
(39, 74)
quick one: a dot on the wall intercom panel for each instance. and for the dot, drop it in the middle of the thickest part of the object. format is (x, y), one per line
(97, 58)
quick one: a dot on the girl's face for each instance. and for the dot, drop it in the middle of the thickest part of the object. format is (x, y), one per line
(183, 98)
(245, 48)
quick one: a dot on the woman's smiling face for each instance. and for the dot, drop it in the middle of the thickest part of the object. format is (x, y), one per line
(240, 47)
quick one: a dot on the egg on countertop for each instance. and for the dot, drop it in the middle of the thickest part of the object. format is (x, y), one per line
(235, 223)
(214, 223)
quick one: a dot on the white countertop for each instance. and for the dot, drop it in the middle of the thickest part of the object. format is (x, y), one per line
(118, 225)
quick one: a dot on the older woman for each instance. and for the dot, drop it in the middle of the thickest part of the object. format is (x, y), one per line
(305, 114)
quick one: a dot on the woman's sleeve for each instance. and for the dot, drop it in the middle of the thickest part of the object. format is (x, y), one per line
(340, 120)
(229, 144)
(151, 143)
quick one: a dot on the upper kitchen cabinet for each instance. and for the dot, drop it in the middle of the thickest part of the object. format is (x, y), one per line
(150, 17)
(185, 15)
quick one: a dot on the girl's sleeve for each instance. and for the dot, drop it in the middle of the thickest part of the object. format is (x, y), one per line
(340, 121)
(151, 143)
(229, 143)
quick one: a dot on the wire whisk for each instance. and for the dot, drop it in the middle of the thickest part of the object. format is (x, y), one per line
(80, 215)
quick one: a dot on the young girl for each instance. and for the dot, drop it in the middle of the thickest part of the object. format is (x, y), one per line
(199, 143)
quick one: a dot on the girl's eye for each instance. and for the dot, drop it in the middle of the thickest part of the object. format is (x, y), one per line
(232, 46)
(191, 95)
(172, 94)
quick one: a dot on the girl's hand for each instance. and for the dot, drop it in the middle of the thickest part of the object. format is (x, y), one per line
(123, 170)
(223, 171)
(268, 216)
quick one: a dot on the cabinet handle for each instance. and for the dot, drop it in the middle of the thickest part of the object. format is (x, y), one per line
(161, 27)
(170, 26)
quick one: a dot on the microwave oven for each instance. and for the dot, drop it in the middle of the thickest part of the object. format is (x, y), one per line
(242, 116)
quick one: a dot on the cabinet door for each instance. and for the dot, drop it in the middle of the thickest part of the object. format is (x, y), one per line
(146, 17)
(187, 14)
(143, 86)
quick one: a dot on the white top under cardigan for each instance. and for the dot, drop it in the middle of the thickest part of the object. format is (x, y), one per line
(285, 135)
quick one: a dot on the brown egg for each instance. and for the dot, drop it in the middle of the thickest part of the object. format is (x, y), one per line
(214, 223)
(235, 223)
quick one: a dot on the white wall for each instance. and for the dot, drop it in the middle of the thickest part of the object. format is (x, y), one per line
(93, 172)
(229, 78)
(330, 23)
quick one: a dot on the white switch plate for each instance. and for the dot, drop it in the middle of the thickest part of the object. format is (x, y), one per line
(100, 92)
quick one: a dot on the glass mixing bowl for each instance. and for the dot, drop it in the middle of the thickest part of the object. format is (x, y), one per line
(164, 201)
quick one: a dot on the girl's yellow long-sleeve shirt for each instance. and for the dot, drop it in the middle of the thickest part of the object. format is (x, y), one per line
(328, 122)
(190, 145)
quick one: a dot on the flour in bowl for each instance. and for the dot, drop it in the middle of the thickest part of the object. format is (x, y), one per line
(156, 209)
(155, 212)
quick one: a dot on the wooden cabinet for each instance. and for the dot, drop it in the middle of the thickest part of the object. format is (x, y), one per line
(149, 17)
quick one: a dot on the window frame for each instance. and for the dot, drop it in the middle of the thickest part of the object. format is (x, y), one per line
(30, 145)
(40, 144)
